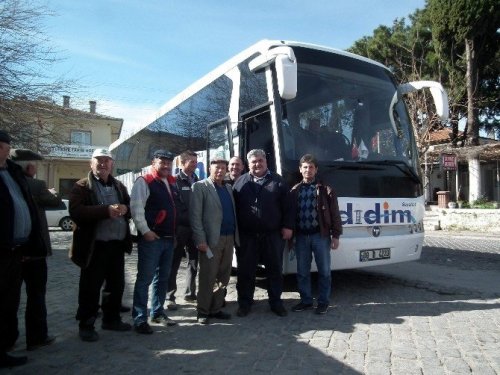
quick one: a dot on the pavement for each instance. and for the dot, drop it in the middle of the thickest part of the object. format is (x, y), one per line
(440, 315)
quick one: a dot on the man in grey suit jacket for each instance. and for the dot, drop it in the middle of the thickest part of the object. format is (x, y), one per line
(215, 231)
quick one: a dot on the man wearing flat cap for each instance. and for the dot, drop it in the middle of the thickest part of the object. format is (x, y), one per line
(153, 211)
(34, 268)
(99, 206)
(20, 235)
(215, 231)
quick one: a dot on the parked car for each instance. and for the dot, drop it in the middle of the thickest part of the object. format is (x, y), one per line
(59, 216)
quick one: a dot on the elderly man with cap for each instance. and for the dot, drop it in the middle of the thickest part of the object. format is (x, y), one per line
(20, 235)
(215, 231)
(34, 268)
(153, 211)
(99, 206)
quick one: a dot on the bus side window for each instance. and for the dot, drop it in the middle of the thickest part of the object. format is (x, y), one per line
(258, 134)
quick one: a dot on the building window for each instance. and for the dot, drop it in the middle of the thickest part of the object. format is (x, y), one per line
(79, 137)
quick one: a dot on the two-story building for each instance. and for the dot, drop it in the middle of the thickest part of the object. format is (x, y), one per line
(75, 134)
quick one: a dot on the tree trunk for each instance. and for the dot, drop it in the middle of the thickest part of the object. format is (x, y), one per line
(471, 82)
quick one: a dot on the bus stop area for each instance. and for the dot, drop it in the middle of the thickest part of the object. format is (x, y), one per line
(440, 315)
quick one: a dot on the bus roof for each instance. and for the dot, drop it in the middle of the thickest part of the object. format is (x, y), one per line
(260, 47)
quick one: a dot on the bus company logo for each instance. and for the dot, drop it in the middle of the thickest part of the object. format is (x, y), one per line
(380, 214)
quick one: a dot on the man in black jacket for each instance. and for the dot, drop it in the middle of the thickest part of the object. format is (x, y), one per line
(20, 236)
(34, 269)
(265, 220)
(185, 246)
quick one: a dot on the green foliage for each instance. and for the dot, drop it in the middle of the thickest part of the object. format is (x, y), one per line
(430, 45)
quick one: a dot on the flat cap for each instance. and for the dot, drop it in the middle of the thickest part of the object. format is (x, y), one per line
(102, 152)
(163, 154)
(21, 154)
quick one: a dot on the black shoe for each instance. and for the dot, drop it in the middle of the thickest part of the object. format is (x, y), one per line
(321, 309)
(7, 360)
(202, 319)
(190, 298)
(221, 315)
(163, 320)
(302, 306)
(48, 340)
(88, 334)
(243, 311)
(124, 309)
(116, 325)
(143, 328)
(172, 306)
(279, 310)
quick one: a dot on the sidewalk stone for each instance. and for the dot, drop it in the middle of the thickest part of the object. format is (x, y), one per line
(440, 315)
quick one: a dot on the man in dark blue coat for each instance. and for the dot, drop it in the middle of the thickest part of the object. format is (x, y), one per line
(265, 220)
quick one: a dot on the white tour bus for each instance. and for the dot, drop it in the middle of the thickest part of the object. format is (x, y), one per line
(289, 99)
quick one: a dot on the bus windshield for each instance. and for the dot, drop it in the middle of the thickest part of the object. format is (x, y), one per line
(343, 116)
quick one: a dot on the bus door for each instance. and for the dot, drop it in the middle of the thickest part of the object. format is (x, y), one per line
(256, 131)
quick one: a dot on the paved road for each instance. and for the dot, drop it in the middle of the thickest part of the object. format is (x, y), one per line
(440, 315)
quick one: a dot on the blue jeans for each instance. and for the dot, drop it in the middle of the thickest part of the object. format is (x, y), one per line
(305, 246)
(154, 257)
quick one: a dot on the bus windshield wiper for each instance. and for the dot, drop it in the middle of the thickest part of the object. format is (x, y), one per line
(399, 164)
(352, 166)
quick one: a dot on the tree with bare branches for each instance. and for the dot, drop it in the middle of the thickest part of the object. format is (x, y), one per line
(26, 85)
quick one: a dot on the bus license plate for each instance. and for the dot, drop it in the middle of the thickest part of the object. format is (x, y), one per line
(374, 254)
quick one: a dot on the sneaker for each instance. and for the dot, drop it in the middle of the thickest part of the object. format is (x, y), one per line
(143, 328)
(190, 298)
(48, 340)
(279, 310)
(321, 309)
(8, 361)
(88, 334)
(221, 315)
(243, 311)
(302, 306)
(172, 306)
(163, 320)
(202, 319)
(116, 325)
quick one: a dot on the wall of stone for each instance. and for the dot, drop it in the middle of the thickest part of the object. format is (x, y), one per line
(479, 220)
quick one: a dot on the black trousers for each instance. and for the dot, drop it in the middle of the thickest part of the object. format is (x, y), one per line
(34, 275)
(10, 295)
(107, 263)
(185, 246)
(268, 248)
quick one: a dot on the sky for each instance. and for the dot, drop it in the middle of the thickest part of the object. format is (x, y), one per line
(132, 56)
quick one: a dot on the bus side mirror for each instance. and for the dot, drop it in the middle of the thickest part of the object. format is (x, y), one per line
(286, 69)
(437, 91)
(286, 73)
